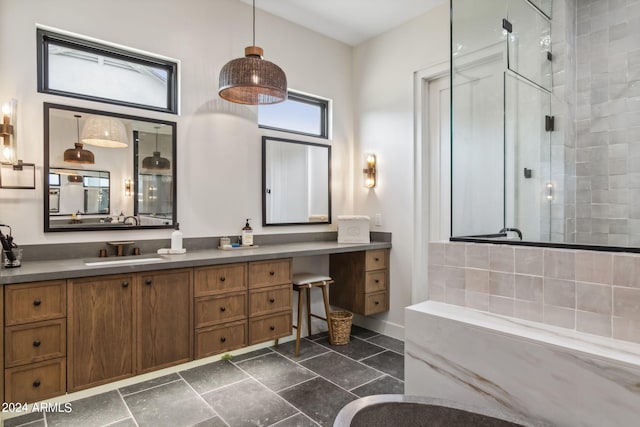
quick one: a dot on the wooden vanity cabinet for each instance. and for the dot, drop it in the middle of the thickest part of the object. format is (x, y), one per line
(101, 330)
(164, 319)
(220, 308)
(270, 294)
(361, 281)
(34, 336)
(122, 325)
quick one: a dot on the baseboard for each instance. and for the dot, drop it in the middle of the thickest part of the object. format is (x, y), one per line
(385, 327)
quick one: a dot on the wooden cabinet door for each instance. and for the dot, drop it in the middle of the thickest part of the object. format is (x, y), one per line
(164, 313)
(100, 330)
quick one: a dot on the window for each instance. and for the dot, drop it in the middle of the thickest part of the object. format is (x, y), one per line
(301, 114)
(87, 69)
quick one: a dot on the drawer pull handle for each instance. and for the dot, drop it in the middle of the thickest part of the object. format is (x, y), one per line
(272, 273)
(272, 300)
(222, 279)
(223, 339)
(376, 302)
(148, 282)
(377, 281)
(36, 383)
(223, 308)
(125, 284)
(37, 302)
(272, 328)
(36, 343)
(377, 259)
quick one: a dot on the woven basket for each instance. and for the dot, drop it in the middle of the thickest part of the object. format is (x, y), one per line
(340, 327)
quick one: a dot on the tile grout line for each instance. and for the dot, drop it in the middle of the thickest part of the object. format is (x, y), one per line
(150, 388)
(290, 417)
(251, 377)
(382, 373)
(124, 402)
(368, 382)
(278, 391)
(199, 396)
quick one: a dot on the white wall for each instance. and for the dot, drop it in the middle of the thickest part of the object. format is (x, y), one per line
(383, 87)
(218, 155)
(219, 169)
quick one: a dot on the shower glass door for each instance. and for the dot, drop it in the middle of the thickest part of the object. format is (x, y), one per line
(501, 110)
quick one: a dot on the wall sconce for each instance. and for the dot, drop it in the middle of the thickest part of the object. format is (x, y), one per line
(370, 171)
(8, 132)
(128, 187)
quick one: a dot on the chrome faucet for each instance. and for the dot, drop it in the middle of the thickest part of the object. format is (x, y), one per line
(515, 230)
(132, 217)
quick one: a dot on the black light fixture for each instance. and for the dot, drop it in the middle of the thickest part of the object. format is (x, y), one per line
(78, 154)
(156, 162)
(253, 80)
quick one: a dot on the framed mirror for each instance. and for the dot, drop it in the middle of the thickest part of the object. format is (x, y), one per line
(296, 182)
(107, 171)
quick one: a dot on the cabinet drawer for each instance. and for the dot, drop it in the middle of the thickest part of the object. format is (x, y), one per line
(35, 342)
(375, 281)
(219, 279)
(375, 303)
(269, 327)
(32, 383)
(269, 273)
(269, 300)
(376, 260)
(218, 339)
(35, 301)
(215, 310)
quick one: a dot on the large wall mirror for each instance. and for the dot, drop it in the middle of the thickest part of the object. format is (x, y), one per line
(296, 182)
(544, 149)
(107, 171)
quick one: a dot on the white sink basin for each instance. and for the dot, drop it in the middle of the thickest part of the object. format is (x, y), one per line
(124, 261)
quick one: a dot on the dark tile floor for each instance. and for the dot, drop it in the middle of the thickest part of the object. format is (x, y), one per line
(267, 387)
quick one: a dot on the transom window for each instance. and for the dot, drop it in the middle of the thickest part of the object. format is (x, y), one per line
(87, 69)
(301, 114)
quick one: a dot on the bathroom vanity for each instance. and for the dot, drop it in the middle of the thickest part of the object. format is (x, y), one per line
(69, 326)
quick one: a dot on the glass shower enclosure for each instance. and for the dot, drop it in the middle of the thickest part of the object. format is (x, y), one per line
(502, 70)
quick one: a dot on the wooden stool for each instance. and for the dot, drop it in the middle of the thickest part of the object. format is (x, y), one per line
(306, 281)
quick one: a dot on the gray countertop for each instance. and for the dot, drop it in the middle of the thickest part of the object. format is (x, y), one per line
(72, 268)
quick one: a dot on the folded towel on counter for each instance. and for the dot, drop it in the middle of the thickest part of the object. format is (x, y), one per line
(167, 251)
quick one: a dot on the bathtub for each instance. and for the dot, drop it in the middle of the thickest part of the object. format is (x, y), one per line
(543, 374)
(386, 410)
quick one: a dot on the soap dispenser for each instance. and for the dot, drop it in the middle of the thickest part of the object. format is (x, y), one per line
(247, 234)
(176, 238)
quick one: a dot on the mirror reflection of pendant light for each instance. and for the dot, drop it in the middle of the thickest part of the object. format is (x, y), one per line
(155, 161)
(78, 154)
(104, 132)
(252, 80)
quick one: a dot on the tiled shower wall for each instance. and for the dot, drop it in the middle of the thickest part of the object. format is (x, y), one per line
(589, 291)
(608, 122)
(563, 108)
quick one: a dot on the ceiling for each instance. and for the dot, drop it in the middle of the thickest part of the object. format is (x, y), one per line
(350, 21)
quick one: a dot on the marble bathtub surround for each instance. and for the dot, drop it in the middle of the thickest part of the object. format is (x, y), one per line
(589, 291)
(548, 375)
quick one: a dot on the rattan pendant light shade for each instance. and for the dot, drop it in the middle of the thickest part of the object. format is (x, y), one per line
(252, 80)
(78, 154)
(156, 162)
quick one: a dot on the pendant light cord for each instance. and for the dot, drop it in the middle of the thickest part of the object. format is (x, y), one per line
(78, 127)
(254, 22)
